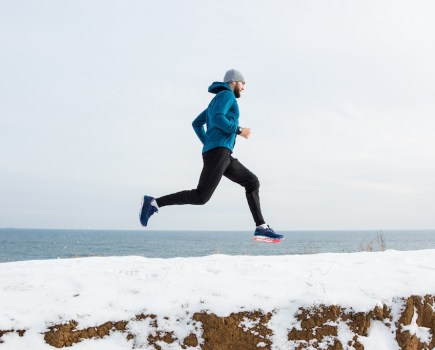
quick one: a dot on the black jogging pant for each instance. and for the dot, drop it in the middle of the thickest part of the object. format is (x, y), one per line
(218, 162)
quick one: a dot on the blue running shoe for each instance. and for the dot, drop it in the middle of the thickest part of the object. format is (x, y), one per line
(147, 210)
(267, 235)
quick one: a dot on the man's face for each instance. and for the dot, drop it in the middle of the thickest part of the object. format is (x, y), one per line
(238, 88)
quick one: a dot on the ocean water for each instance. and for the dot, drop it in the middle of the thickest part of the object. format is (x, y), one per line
(31, 244)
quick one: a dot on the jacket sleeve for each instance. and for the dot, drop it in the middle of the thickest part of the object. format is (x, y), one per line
(198, 125)
(223, 103)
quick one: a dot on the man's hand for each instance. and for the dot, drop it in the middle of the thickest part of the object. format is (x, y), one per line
(246, 132)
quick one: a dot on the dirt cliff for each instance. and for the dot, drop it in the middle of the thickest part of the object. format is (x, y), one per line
(318, 327)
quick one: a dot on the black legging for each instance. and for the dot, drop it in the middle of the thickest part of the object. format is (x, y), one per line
(218, 162)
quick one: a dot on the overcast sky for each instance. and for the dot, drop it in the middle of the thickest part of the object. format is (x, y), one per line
(97, 100)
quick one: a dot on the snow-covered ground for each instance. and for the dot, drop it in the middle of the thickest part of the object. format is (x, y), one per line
(35, 295)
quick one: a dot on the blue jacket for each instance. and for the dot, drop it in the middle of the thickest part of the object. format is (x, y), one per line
(221, 118)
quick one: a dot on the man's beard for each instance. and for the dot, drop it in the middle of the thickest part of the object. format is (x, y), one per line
(237, 91)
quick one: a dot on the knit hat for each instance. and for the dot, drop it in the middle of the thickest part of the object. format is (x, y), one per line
(233, 75)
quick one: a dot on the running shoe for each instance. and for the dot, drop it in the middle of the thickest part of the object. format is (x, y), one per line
(147, 210)
(267, 235)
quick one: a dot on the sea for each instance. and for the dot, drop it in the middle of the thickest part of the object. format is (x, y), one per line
(40, 244)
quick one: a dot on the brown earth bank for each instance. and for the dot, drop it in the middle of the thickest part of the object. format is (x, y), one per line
(317, 328)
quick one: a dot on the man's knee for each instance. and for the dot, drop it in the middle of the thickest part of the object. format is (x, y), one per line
(203, 197)
(252, 185)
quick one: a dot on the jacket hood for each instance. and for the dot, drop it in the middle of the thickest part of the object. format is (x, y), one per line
(217, 87)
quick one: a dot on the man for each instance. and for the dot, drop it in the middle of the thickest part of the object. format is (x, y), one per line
(222, 120)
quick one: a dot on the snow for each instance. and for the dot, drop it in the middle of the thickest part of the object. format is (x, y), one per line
(35, 295)
(422, 333)
(379, 337)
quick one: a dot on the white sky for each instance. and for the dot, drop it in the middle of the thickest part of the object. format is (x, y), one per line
(97, 100)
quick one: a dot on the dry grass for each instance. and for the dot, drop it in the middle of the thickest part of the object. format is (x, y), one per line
(377, 244)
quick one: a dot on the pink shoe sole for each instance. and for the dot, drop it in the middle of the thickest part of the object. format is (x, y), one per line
(267, 240)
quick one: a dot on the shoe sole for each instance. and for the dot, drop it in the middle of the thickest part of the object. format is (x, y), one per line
(140, 212)
(267, 239)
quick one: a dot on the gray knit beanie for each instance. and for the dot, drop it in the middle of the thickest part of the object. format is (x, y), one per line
(233, 75)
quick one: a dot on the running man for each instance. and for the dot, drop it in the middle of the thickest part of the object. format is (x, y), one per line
(222, 121)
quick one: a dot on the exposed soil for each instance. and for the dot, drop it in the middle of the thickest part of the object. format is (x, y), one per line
(241, 331)
(318, 328)
(424, 307)
(67, 334)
